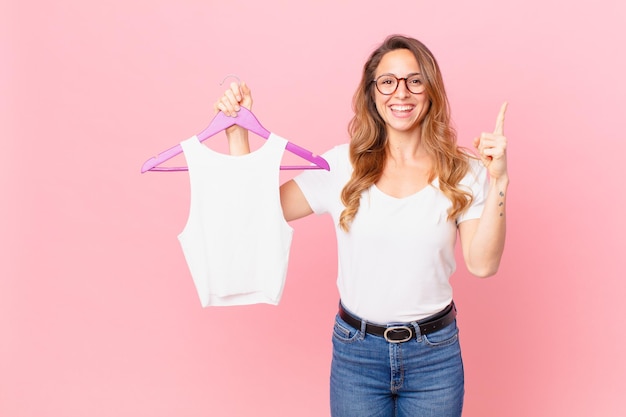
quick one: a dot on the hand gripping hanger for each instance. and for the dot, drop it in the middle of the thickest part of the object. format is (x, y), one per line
(245, 119)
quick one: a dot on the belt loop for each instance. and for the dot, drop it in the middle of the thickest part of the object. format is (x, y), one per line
(418, 332)
(363, 329)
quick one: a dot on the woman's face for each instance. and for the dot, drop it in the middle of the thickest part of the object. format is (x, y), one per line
(401, 110)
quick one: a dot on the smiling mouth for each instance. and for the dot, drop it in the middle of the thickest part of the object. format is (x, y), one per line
(405, 108)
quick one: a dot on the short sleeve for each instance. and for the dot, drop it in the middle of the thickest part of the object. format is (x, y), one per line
(321, 188)
(476, 180)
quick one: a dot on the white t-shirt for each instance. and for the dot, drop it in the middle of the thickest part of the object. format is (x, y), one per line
(236, 241)
(397, 258)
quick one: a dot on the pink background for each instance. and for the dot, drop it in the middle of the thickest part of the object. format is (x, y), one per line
(98, 313)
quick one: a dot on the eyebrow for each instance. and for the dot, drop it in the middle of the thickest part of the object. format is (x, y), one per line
(408, 75)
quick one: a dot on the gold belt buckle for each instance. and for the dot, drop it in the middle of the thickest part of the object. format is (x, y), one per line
(395, 329)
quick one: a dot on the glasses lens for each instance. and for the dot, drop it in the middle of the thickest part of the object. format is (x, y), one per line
(386, 84)
(415, 84)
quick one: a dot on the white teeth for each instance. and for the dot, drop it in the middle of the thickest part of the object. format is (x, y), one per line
(401, 108)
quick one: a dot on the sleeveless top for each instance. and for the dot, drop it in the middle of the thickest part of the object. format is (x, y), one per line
(236, 241)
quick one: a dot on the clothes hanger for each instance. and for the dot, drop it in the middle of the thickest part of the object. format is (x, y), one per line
(245, 119)
(220, 122)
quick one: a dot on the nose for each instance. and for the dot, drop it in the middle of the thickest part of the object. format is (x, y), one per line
(402, 90)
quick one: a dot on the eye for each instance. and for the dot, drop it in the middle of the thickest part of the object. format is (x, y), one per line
(386, 81)
(414, 80)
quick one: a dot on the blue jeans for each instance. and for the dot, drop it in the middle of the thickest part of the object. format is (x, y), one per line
(371, 377)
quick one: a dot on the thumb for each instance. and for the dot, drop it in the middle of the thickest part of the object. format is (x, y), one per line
(246, 99)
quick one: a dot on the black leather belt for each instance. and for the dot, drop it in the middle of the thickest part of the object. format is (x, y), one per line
(398, 333)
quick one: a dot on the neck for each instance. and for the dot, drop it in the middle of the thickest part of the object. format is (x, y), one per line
(405, 146)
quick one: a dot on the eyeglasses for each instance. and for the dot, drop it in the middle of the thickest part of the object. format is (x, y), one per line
(387, 84)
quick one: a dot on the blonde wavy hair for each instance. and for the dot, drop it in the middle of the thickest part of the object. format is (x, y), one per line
(368, 134)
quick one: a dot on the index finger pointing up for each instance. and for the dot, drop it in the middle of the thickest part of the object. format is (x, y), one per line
(499, 130)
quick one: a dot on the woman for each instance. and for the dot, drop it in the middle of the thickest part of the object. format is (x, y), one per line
(398, 194)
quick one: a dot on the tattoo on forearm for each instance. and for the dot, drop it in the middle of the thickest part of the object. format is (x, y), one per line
(501, 204)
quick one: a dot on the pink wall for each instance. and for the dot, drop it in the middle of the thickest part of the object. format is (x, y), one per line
(98, 314)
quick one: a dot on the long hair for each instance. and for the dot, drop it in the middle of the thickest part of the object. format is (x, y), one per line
(368, 134)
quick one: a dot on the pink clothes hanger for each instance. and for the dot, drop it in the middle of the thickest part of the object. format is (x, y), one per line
(245, 119)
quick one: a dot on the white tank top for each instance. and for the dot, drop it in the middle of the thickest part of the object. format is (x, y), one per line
(236, 241)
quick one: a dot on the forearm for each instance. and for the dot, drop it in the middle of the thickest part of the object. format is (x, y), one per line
(487, 245)
(238, 143)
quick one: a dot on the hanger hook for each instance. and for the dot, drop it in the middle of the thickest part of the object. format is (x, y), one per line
(231, 75)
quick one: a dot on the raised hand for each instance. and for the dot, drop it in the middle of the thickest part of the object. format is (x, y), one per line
(491, 147)
(237, 95)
